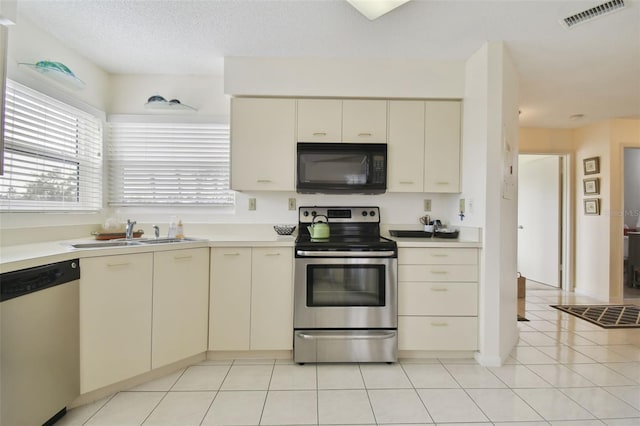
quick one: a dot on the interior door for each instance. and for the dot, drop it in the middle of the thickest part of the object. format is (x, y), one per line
(539, 218)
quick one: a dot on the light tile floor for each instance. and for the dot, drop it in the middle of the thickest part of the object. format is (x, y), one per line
(564, 371)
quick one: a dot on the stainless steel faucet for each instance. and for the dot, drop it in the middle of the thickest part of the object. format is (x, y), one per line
(129, 229)
(156, 231)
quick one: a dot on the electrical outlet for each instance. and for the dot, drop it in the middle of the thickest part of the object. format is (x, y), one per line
(252, 203)
(462, 205)
(292, 203)
(427, 205)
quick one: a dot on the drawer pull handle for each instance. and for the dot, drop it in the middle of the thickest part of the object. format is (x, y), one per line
(439, 324)
(319, 133)
(440, 272)
(117, 265)
(364, 134)
(439, 289)
(182, 257)
(264, 181)
(273, 254)
(232, 254)
(442, 183)
(406, 182)
(439, 255)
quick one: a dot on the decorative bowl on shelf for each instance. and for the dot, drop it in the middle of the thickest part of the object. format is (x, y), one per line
(56, 71)
(284, 229)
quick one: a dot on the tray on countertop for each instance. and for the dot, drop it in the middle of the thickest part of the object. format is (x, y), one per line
(410, 234)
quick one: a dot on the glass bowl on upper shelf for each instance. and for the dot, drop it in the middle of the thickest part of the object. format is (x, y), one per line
(160, 103)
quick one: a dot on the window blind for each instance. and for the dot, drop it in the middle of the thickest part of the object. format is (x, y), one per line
(53, 154)
(168, 164)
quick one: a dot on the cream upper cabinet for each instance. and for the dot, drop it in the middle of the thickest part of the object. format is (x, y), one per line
(115, 318)
(319, 120)
(406, 146)
(230, 296)
(263, 144)
(442, 146)
(180, 305)
(364, 121)
(272, 299)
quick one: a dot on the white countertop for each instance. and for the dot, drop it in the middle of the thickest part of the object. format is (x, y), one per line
(22, 256)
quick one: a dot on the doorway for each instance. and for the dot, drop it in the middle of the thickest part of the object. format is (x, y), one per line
(542, 219)
(631, 223)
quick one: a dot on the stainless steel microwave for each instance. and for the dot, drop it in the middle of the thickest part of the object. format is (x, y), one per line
(341, 168)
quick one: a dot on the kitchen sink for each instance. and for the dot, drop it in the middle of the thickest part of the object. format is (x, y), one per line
(105, 244)
(169, 240)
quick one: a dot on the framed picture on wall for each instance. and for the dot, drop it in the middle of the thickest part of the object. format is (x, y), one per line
(591, 165)
(592, 206)
(591, 186)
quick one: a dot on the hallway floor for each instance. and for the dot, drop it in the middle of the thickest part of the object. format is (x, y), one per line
(564, 371)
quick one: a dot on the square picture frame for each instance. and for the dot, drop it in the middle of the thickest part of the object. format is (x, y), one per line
(591, 165)
(591, 186)
(592, 206)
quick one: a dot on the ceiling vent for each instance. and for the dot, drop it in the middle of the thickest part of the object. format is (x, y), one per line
(593, 13)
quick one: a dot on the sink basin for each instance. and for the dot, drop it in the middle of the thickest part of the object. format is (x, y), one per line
(168, 240)
(104, 244)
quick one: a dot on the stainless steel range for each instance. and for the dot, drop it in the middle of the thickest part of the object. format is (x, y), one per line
(345, 291)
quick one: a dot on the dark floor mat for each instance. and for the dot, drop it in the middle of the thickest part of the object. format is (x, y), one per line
(606, 316)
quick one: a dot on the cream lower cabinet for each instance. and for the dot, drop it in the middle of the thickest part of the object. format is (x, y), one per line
(180, 305)
(115, 318)
(251, 299)
(263, 144)
(437, 299)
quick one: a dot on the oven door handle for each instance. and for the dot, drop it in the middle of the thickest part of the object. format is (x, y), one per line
(309, 253)
(339, 335)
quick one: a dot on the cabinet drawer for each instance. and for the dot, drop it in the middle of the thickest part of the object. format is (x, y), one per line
(437, 256)
(432, 298)
(438, 273)
(437, 333)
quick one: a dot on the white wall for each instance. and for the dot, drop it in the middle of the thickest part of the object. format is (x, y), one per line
(344, 77)
(490, 119)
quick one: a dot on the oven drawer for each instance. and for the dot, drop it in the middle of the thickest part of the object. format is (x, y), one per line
(437, 333)
(373, 345)
(437, 298)
(438, 273)
(437, 256)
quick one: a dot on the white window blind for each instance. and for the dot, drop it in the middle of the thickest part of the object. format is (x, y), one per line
(53, 154)
(169, 164)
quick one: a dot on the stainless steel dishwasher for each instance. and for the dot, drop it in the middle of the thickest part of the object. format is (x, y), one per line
(39, 343)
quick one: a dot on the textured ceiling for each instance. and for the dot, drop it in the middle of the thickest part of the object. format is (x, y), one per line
(592, 69)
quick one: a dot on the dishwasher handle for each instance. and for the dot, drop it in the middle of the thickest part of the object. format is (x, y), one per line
(24, 281)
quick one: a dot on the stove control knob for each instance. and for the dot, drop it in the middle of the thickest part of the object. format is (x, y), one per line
(372, 213)
(314, 213)
(306, 213)
(364, 213)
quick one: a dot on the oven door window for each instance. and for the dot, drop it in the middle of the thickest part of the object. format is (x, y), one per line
(345, 285)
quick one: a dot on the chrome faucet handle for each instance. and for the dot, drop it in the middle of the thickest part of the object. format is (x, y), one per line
(156, 231)
(129, 229)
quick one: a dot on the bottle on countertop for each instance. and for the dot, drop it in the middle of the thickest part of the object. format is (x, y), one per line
(173, 227)
(180, 230)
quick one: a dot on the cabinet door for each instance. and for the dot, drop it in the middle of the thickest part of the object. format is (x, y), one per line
(262, 144)
(272, 299)
(319, 120)
(442, 146)
(364, 121)
(437, 333)
(406, 146)
(180, 305)
(230, 298)
(115, 319)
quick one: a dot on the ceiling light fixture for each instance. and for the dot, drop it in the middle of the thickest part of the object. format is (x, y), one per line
(374, 9)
